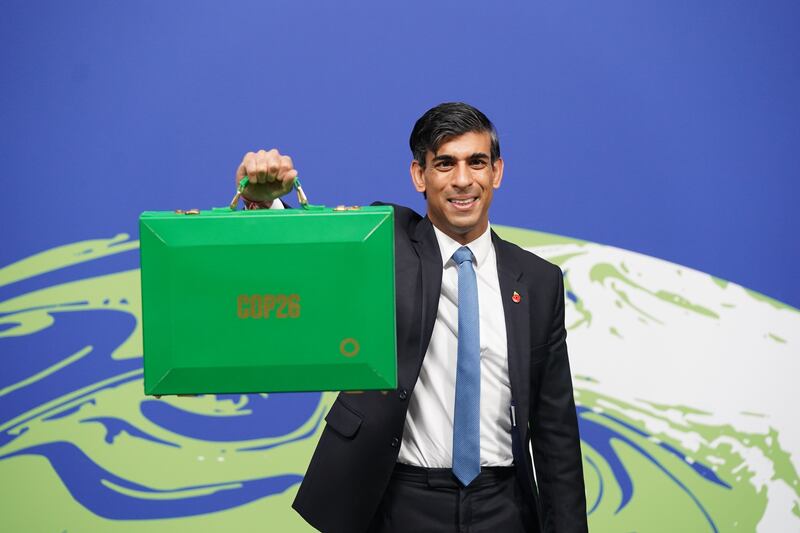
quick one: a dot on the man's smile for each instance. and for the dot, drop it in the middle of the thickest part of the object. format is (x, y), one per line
(463, 203)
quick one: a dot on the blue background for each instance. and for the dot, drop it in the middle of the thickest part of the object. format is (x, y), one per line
(668, 128)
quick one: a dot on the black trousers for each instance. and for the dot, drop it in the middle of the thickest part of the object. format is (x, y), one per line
(422, 500)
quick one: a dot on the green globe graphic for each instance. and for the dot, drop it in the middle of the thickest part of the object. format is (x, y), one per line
(683, 384)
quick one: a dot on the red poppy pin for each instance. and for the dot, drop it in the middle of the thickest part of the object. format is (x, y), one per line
(516, 297)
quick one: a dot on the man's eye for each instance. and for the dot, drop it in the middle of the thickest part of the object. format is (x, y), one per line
(478, 163)
(444, 165)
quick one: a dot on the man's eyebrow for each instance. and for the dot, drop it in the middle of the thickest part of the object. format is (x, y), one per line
(448, 157)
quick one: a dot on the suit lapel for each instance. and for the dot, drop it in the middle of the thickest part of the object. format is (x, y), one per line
(427, 248)
(517, 317)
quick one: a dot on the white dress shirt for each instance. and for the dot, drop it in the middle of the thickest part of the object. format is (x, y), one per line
(428, 435)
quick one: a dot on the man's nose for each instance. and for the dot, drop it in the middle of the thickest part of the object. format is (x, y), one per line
(462, 177)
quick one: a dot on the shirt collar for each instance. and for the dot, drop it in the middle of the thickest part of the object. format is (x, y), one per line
(480, 247)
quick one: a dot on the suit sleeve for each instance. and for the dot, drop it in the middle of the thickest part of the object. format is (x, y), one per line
(554, 431)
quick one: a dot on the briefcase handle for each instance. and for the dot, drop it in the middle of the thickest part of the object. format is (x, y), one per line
(301, 196)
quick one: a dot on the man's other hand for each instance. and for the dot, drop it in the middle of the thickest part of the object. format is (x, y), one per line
(270, 174)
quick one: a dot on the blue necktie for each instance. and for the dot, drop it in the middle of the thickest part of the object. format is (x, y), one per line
(466, 421)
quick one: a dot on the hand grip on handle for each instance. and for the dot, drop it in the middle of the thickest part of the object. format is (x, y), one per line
(301, 195)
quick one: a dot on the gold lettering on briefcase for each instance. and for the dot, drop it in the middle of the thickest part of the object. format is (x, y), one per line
(268, 306)
(349, 347)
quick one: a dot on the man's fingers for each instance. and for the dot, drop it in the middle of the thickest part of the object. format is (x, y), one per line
(268, 167)
(251, 167)
(288, 181)
(262, 166)
(286, 167)
(273, 165)
(241, 172)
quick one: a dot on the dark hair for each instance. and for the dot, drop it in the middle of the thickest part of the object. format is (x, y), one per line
(446, 121)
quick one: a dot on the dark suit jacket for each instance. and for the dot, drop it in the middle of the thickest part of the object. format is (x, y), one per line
(357, 451)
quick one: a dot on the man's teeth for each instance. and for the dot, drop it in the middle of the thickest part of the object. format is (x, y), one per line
(463, 202)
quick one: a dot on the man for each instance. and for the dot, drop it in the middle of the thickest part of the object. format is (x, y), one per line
(483, 373)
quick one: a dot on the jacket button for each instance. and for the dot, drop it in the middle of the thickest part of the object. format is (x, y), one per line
(395, 442)
(403, 394)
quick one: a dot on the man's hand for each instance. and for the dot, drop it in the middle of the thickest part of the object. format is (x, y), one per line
(270, 174)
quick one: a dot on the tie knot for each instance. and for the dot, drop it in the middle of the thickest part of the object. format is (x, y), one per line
(462, 254)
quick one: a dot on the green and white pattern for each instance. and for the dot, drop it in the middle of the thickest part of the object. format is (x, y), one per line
(684, 385)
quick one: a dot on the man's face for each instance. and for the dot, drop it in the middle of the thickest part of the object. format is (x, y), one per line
(459, 180)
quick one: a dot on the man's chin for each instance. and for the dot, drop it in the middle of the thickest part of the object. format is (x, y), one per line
(462, 226)
(463, 223)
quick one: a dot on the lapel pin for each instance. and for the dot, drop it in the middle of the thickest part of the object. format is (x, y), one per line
(516, 297)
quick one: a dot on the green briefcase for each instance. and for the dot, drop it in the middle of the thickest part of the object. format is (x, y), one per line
(268, 300)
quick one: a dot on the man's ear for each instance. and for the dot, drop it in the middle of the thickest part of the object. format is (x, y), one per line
(418, 176)
(497, 170)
